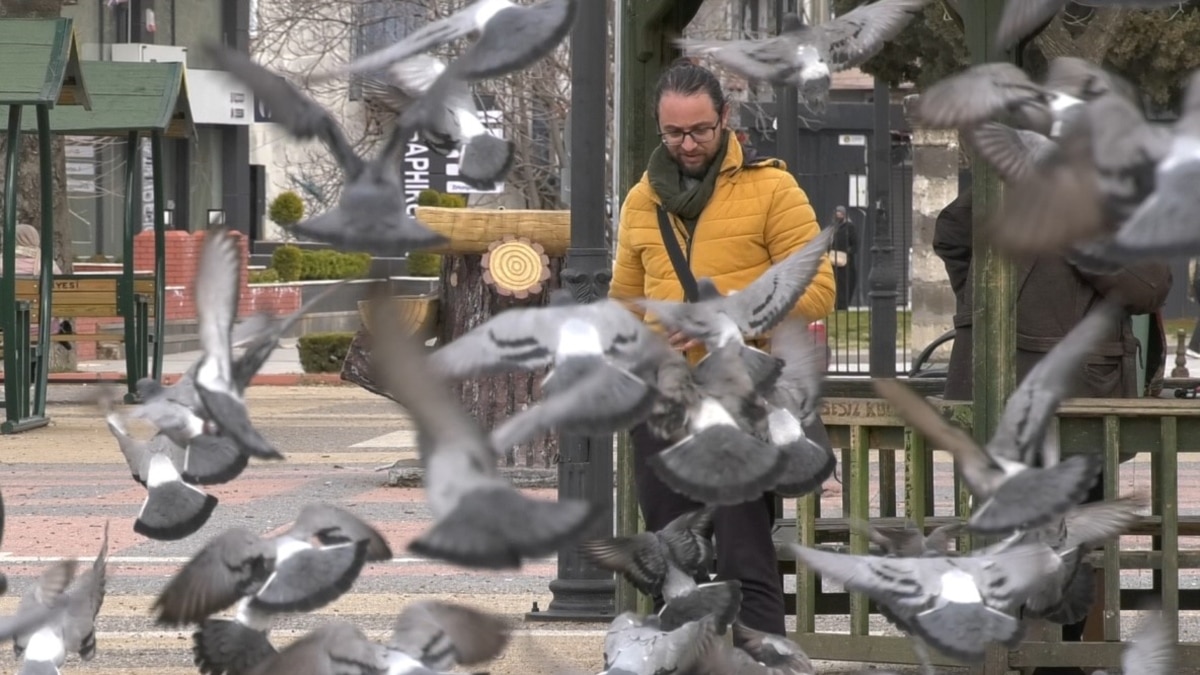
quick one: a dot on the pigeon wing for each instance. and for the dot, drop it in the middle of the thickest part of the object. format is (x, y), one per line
(977, 469)
(431, 35)
(85, 599)
(765, 59)
(428, 629)
(1162, 225)
(639, 558)
(266, 338)
(516, 37)
(303, 117)
(975, 95)
(1016, 154)
(1090, 524)
(859, 34)
(1152, 651)
(333, 525)
(515, 339)
(906, 585)
(234, 564)
(1022, 17)
(1006, 578)
(798, 389)
(216, 288)
(1021, 432)
(764, 303)
(773, 651)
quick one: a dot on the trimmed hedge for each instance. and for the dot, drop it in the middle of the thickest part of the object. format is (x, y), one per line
(287, 261)
(292, 263)
(287, 209)
(267, 276)
(324, 352)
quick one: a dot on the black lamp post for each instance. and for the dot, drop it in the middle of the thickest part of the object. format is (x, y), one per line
(583, 592)
(882, 279)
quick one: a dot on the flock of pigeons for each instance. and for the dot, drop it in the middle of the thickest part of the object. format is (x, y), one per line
(736, 418)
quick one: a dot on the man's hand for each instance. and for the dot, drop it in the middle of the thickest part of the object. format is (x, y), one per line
(679, 341)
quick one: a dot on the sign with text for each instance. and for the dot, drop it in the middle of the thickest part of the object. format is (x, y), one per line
(426, 170)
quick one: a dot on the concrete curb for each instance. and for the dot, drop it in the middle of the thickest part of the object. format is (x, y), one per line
(264, 380)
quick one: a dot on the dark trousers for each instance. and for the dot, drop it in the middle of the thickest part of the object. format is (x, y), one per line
(744, 547)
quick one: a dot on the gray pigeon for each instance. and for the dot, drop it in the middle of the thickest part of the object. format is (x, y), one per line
(1066, 597)
(1015, 494)
(719, 460)
(443, 110)
(511, 37)
(641, 646)
(371, 214)
(911, 541)
(1152, 651)
(793, 402)
(233, 646)
(481, 520)
(217, 292)
(73, 630)
(719, 320)
(49, 602)
(805, 56)
(306, 567)
(958, 605)
(1011, 495)
(1165, 224)
(1023, 17)
(438, 636)
(674, 555)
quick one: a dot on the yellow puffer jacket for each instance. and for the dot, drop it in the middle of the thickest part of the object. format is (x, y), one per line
(756, 217)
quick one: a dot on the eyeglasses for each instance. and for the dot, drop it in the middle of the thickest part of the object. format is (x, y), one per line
(700, 136)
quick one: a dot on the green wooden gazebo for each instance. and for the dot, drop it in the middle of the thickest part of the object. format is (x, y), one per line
(127, 100)
(39, 67)
(868, 432)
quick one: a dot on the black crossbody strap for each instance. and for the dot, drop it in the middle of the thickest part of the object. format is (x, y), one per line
(686, 279)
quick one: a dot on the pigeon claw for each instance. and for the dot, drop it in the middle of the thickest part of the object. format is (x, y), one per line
(173, 511)
(720, 465)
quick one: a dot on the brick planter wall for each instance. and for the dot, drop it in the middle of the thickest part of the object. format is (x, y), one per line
(183, 257)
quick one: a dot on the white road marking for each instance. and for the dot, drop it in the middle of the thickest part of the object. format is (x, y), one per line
(405, 438)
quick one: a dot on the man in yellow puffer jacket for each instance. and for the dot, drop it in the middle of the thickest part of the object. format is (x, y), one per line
(732, 220)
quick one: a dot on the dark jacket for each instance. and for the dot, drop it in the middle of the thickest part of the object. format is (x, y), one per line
(1052, 297)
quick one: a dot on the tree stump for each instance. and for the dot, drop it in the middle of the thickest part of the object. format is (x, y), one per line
(467, 302)
(515, 267)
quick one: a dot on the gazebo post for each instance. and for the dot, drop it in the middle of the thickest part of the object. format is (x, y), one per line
(13, 384)
(160, 253)
(41, 355)
(133, 196)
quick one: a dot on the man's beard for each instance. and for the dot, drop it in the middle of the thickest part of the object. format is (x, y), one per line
(688, 172)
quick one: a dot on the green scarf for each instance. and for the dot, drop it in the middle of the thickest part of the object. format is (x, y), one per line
(668, 182)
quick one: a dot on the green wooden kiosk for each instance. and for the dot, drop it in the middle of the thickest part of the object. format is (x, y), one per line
(868, 431)
(129, 100)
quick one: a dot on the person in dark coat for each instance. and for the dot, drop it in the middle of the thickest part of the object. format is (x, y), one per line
(1052, 297)
(844, 256)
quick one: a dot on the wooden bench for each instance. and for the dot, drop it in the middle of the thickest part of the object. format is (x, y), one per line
(97, 296)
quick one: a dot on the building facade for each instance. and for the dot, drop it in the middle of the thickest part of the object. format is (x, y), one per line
(207, 175)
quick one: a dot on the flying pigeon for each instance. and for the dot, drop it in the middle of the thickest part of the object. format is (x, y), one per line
(219, 461)
(337, 647)
(71, 631)
(793, 402)
(676, 554)
(959, 605)
(1016, 495)
(50, 602)
(719, 320)
(1023, 17)
(438, 636)
(511, 37)
(443, 111)
(718, 460)
(1164, 225)
(284, 573)
(805, 56)
(1011, 494)
(217, 291)
(1066, 597)
(371, 214)
(481, 520)
(233, 646)
(637, 645)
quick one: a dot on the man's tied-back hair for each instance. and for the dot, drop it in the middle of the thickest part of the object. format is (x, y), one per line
(688, 78)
